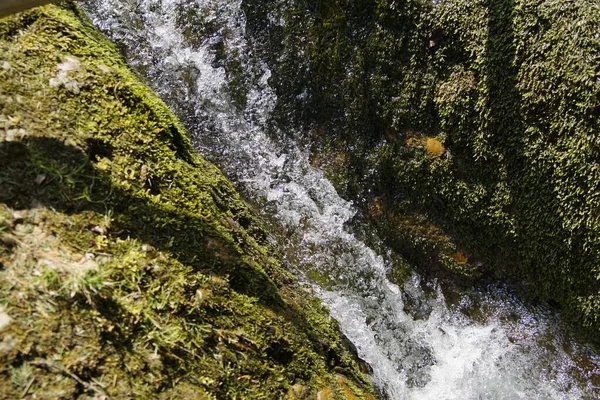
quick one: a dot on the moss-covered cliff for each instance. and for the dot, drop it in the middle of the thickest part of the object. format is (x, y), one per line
(475, 125)
(129, 266)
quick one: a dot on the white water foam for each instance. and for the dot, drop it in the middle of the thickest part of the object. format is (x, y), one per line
(443, 356)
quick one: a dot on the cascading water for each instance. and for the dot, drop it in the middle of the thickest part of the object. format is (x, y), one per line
(435, 351)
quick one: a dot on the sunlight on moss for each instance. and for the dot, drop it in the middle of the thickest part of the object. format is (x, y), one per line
(125, 268)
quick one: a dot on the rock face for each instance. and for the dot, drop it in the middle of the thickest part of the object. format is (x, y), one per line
(510, 92)
(130, 268)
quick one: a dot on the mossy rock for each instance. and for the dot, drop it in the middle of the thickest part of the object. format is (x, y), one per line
(510, 92)
(130, 267)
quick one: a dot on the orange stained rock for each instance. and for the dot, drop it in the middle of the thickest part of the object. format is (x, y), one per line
(460, 258)
(376, 207)
(348, 394)
(434, 147)
(325, 394)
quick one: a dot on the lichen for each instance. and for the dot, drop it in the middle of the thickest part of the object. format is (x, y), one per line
(131, 268)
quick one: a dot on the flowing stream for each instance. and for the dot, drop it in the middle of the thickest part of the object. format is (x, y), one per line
(485, 345)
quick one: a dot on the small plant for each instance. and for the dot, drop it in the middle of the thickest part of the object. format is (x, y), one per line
(21, 376)
(48, 280)
(88, 285)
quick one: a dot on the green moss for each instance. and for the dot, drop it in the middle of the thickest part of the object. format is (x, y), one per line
(130, 266)
(519, 115)
(510, 87)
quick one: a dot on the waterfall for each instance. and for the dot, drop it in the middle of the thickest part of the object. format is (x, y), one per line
(182, 49)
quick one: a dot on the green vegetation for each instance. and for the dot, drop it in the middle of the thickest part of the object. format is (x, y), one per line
(510, 89)
(129, 266)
